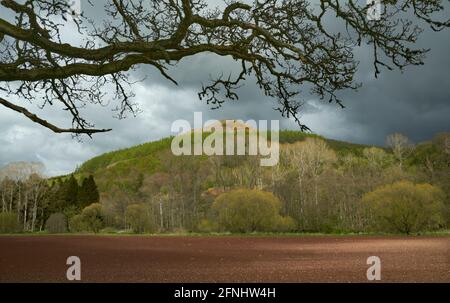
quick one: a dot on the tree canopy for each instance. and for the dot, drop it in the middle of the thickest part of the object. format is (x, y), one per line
(287, 46)
(244, 210)
(406, 207)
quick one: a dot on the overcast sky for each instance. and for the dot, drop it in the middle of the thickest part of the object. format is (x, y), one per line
(416, 103)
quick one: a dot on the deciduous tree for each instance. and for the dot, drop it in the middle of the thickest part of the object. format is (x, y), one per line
(286, 46)
(93, 217)
(406, 207)
(246, 210)
(400, 145)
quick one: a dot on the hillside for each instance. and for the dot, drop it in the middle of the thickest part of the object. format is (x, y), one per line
(146, 158)
(318, 185)
(149, 150)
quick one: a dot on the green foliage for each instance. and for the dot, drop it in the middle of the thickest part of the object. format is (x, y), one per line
(345, 148)
(319, 183)
(128, 154)
(245, 210)
(93, 218)
(109, 230)
(207, 226)
(406, 207)
(66, 196)
(8, 223)
(140, 219)
(71, 211)
(284, 224)
(77, 224)
(88, 192)
(71, 191)
(56, 223)
(377, 158)
(144, 157)
(290, 136)
(63, 194)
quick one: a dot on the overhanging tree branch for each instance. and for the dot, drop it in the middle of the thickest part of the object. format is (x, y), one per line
(286, 46)
(47, 124)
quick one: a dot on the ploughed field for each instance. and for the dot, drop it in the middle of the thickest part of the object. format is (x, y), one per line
(224, 259)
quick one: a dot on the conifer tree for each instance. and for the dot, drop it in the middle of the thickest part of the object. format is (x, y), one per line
(88, 192)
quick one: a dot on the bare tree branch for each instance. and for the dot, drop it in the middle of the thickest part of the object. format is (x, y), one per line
(47, 124)
(286, 46)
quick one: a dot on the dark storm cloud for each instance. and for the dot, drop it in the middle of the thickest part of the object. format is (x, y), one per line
(416, 103)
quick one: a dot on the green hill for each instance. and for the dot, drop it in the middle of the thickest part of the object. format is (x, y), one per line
(145, 159)
(148, 151)
(319, 185)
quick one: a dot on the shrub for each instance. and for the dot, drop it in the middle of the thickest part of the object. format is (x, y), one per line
(93, 218)
(206, 226)
(76, 224)
(139, 218)
(406, 207)
(109, 230)
(56, 223)
(8, 223)
(71, 211)
(247, 211)
(285, 224)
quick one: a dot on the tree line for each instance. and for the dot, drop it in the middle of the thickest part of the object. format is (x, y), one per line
(28, 200)
(403, 188)
(319, 189)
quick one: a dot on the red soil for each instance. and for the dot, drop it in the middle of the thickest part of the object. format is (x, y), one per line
(224, 259)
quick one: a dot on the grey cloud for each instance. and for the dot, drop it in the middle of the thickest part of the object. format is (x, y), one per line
(416, 103)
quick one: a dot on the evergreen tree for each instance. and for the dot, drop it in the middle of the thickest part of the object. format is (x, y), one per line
(88, 192)
(71, 191)
(58, 197)
(64, 194)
